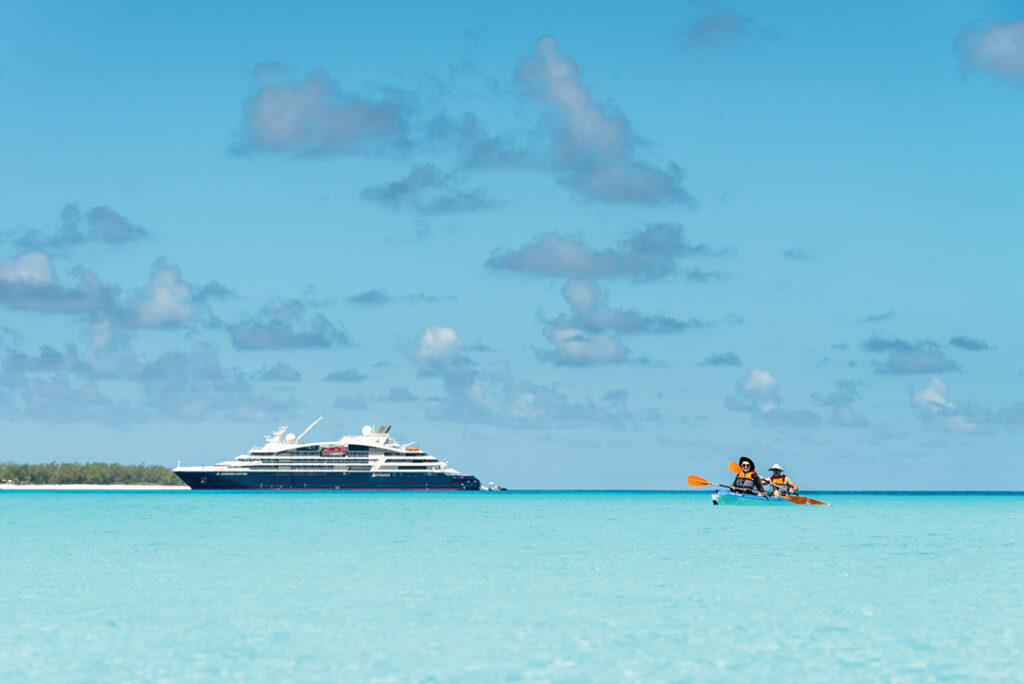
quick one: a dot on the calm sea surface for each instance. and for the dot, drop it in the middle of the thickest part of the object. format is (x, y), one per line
(509, 586)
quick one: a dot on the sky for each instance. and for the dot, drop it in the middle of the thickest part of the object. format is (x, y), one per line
(570, 246)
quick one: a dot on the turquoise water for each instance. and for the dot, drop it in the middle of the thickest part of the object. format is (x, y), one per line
(510, 586)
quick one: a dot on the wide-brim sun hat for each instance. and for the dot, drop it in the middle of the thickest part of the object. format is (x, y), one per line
(747, 460)
(776, 467)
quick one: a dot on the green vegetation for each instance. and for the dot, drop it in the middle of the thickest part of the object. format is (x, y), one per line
(87, 473)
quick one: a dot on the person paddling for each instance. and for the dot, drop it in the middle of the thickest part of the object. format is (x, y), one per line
(747, 480)
(779, 483)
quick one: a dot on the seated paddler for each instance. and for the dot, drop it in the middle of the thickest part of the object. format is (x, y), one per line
(779, 483)
(747, 480)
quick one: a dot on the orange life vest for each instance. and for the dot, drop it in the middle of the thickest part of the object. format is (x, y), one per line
(746, 480)
(779, 485)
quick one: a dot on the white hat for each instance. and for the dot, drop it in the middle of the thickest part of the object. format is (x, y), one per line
(776, 467)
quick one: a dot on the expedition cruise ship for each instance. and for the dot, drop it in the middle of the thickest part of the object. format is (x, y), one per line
(372, 460)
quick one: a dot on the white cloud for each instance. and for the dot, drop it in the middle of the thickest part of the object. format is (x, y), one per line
(575, 347)
(493, 395)
(998, 48)
(939, 411)
(592, 146)
(28, 282)
(645, 255)
(428, 190)
(167, 300)
(437, 342)
(29, 268)
(933, 397)
(761, 385)
(315, 117)
(758, 394)
(290, 325)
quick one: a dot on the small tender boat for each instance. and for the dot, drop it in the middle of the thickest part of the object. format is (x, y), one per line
(730, 498)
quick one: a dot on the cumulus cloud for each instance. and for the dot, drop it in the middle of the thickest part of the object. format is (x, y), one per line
(493, 395)
(28, 282)
(350, 375)
(717, 27)
(937, 410)
(968, 343)
(758, 395)
(49, 360)
(279, 372)
(427, 190)
(66, 386)
(106, 225)
(374, 297)
(699, 275)
(57, 400)
(196, 386)
(290, 325)
(647, 254)
(167, 301)
(908, 358)
(400, 394)
(476, 147)
(437, 343)
(592, 147)
(723, 359)
(107, 356)
(28, 268)
(997, 48)
(588, 303)
(581, 337)
(575, 347)
(102, 224)
(315, 117)
(841, 400)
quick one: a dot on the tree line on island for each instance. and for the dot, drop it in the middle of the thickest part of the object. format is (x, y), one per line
(87, 473)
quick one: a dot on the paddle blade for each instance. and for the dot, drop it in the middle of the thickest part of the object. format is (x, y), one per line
(695, 481)
(816, 502)
(735, 467)
(797, 499)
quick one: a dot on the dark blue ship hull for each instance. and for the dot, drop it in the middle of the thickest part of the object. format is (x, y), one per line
(224, 479)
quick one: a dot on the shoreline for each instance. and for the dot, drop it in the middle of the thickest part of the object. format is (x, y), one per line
(92, 487)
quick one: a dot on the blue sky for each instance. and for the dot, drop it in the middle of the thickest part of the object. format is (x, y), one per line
(571, 246)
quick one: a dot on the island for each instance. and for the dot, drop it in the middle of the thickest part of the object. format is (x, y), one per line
(87, 474)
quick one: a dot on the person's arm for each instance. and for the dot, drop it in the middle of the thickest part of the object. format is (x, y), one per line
(792, 485)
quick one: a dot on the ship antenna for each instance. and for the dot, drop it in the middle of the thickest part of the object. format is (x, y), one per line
(311, 426)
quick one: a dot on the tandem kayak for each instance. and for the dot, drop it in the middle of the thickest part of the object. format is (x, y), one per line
(726, 497)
